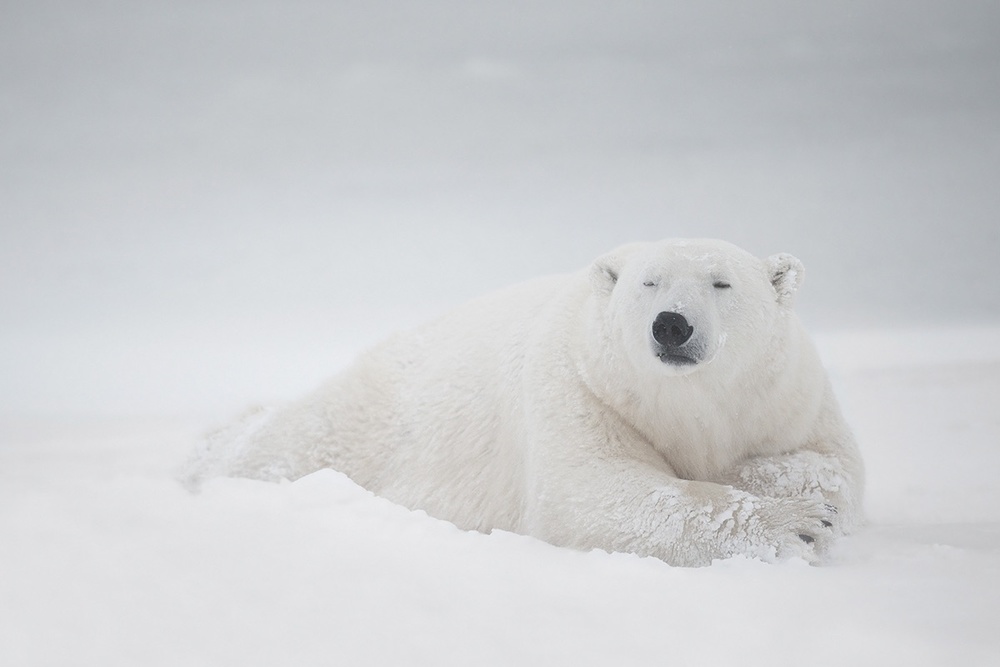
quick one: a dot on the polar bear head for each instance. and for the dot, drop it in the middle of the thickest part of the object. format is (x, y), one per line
(674, 307)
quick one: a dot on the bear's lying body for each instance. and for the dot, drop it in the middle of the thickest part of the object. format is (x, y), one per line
(664, 402)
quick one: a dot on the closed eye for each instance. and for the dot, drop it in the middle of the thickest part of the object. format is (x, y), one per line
(721, 284)
(649, 283)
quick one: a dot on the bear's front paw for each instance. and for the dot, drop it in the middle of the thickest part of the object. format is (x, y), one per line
(796, 527)
(805, 475)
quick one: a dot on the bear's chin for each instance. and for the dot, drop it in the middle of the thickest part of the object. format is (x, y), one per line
(685, 360)
(674, 359)
(678, 364)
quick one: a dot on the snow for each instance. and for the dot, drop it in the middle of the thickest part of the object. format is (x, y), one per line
(205, 205)
(106, 559)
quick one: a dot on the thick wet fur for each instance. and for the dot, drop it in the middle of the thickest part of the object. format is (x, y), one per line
(665, 401)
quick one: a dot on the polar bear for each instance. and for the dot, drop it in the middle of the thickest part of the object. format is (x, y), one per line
(665, 402)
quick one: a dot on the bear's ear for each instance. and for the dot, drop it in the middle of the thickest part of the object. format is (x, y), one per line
(604, 272)
(786, 273)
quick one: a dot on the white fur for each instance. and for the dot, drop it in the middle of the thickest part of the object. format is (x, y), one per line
(544, 409)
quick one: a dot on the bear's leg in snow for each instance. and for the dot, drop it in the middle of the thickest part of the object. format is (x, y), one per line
(627, 505)
(828, 467)
(802, 474)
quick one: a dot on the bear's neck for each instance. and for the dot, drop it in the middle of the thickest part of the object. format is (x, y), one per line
(728, 410)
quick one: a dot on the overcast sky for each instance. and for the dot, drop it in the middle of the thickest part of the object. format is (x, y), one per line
(217, 196)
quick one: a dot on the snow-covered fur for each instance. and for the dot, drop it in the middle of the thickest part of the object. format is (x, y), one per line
(665, 402)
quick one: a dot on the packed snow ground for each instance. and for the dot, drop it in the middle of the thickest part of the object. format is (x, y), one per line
(105, 559)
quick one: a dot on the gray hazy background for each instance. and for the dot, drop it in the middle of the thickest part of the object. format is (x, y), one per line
(208, 203)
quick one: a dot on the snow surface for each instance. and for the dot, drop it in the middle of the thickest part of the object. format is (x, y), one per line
(209, 203)
(106, 560)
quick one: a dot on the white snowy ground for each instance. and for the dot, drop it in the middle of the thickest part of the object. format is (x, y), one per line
(105, 560)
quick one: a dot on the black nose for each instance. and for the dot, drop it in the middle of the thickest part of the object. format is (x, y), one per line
(671, 330)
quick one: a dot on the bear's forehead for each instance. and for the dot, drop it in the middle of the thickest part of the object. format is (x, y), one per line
(694, 256)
